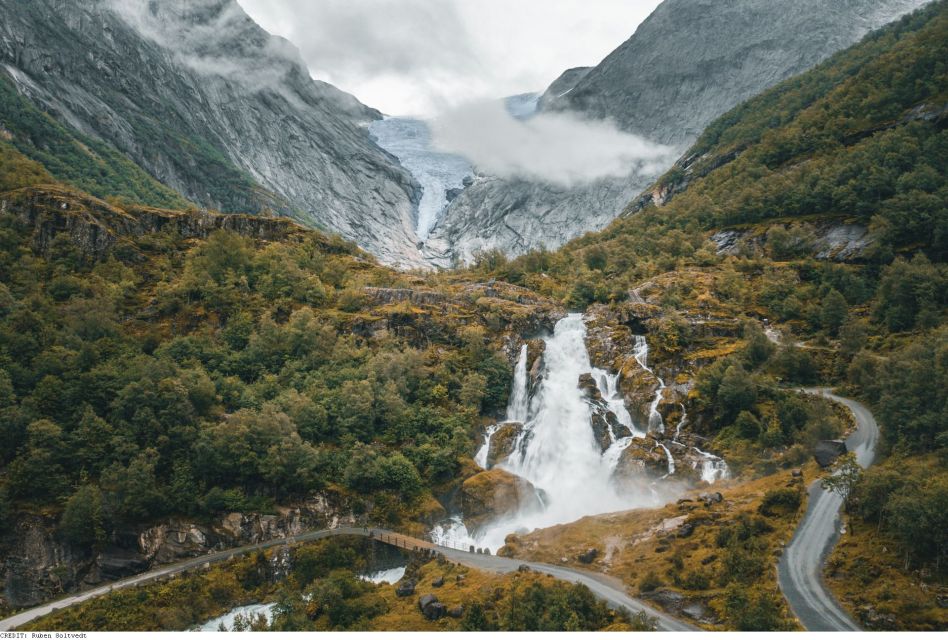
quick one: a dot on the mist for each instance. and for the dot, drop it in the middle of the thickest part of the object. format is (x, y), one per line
(556, 148)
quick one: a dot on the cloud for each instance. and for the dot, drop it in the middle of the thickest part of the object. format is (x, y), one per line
(213, 38)
(419, 57)
(557, 148)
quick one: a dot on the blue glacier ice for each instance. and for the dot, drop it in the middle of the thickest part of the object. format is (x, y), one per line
(438, 173)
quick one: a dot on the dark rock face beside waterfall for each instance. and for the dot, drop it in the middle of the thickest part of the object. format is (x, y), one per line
(605, 425)
(503, 443)
(214, 107)
(687, 64)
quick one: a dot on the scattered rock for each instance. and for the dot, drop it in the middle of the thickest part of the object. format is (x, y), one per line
(430, 607)
(686, 530)
(524, 569)
(456, 612)
(405, 588)
(711, 498)
(797, 473)
(438, 582)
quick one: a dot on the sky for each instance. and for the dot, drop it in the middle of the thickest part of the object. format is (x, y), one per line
(426, 57)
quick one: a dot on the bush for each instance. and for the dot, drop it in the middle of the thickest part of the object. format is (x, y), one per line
(780, 502)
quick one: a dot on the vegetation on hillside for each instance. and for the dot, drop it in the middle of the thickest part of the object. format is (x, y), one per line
(59, 154)
(177, 376)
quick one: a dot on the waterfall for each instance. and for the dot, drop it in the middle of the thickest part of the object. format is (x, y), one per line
(518, 405)
(655, 421)
(559, 455)
(670, 458)
(481, 456)
(713, 468)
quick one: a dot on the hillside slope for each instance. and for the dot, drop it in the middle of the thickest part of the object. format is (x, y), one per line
(215, 108)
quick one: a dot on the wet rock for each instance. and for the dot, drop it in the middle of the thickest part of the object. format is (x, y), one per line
(588, 556)
(494, 493)
(827, 451)
(525, 569)
(642, 459)
(405, 588)
(503, 443)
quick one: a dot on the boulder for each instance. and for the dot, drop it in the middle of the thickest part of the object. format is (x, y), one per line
(438, 582)
(456, 612)
(714, 497)
(587, 556)
(494, 493)
(827, 451)
(405, 588)
(431, 608)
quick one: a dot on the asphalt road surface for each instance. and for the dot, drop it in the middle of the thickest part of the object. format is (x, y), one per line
(610, 590)
(800, 571)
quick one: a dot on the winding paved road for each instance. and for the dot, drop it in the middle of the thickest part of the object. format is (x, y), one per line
(800, 571)
(610, 590)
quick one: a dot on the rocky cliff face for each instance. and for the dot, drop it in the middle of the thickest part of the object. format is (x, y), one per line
(213, 106)
(688, 63)
(39, 566)
(692, 60)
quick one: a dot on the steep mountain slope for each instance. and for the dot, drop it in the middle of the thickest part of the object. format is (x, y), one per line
(692, 60)
(685, 65)
(214, 107)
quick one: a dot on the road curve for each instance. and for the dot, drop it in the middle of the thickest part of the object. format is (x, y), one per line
(608, 589)
(800, 570)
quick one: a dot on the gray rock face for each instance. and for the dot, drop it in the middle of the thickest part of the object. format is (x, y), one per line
(692, 60)
(563, 85)
(688, 63)
(215, 107)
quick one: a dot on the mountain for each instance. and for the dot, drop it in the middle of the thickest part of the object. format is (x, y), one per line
(688, 63)
(215, 108)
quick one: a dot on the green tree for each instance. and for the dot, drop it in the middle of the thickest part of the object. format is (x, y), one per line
(82, 523)
(833, 312)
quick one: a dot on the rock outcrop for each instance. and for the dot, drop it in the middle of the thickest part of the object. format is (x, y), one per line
(503, 443)
(493, 493)
(40, 566)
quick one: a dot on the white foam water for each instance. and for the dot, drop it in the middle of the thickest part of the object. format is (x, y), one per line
(558, 452)
(655, 421)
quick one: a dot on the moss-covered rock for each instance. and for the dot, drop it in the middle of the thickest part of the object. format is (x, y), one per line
(494, 493)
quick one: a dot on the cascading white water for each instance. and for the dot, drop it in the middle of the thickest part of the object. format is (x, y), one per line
(559, 454)
(713, 468)
(655, 421)
(519, 404)
(481, 456)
